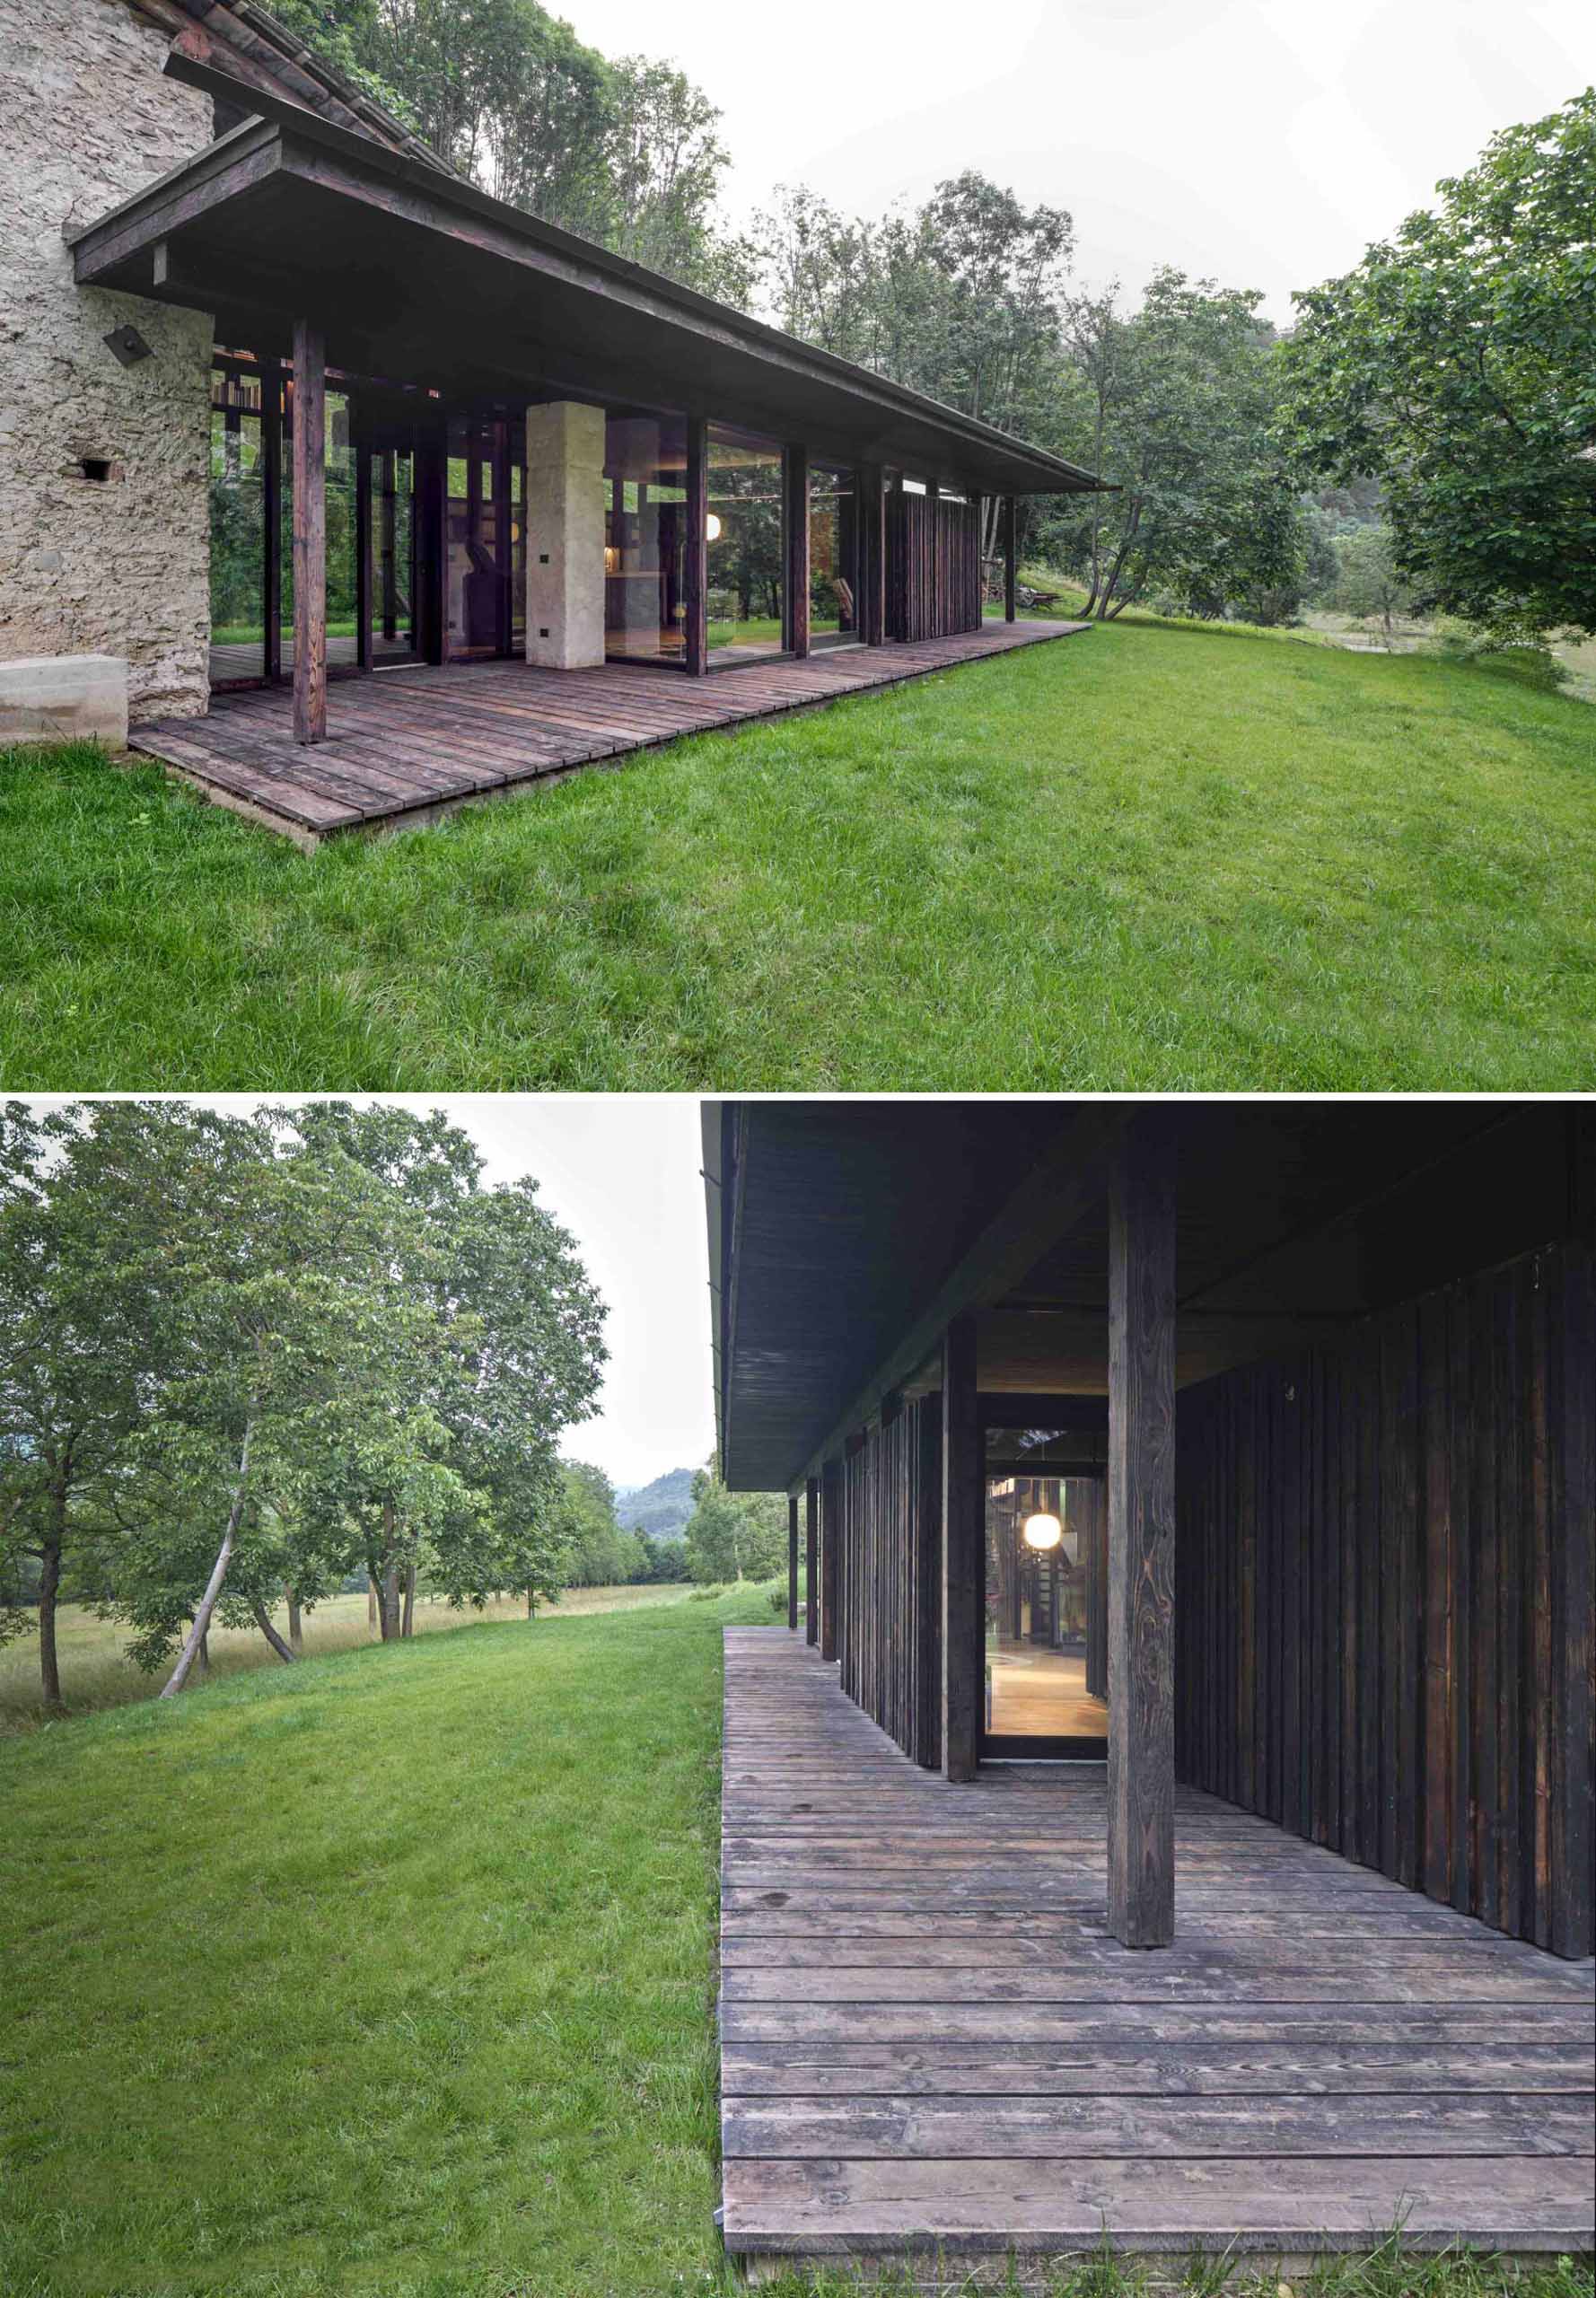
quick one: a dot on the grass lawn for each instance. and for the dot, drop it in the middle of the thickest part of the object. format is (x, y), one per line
(1150, 856)
(393, 1974)
(95, 1674)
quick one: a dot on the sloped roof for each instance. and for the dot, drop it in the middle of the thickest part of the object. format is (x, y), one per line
(247, 45)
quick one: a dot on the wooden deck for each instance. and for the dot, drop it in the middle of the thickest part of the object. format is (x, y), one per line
(930, 2044)
(405, 745)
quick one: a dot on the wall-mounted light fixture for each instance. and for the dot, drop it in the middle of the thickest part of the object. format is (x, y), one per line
(712, 527)
(128, 345)
(1043, 1531)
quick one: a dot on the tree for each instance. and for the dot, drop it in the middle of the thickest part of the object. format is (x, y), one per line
(1367, 583)
(1175, 408)
(600, 1554)
(734, 1535)
(1456, 365)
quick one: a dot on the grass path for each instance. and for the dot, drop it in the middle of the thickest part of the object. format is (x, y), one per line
(95, 1674)
(1151, 857)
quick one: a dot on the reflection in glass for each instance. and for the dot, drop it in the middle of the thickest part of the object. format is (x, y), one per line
(1047, 1565)
(238, 532)
(393, 553)
(833, 565)
(744, 534)
(486, 546)
(645, 462)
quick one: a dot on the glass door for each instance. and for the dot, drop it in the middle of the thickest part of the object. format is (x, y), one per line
(484, 544)
(1046, 1646)
(392, 631)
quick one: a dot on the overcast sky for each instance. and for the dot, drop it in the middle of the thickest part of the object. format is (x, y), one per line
(1262, 142)
(621, 1172)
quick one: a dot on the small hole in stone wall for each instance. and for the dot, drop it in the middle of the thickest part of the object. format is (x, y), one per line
(96, 467)
(542, 633)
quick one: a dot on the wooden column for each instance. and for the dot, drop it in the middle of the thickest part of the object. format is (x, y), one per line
(1010, 567)
(390, 550)
(271, 515)
(695, 555)
(811, 1561)
(1142, 1535)
(830, 1554)
(430, 514)
(872, 570)
(363, 544)
(791, 1561)
(796, 472)
(963, 1554)
(310, 534)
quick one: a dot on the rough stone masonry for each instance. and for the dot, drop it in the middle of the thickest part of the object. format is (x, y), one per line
(104, 470)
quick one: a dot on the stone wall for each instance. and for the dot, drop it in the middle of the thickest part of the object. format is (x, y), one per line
(118, 564)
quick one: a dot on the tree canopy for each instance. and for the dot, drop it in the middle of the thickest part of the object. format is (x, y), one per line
(1457, 365)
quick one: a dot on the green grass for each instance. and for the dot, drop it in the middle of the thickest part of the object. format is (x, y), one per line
(391, 1975)
(1151, 857)
(95, 1674)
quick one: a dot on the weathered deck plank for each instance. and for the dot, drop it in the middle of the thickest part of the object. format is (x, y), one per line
(930, 2042)
(409, 741)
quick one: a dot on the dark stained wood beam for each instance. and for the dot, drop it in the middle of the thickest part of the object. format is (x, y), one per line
(811, 1561)
(1010, 571)
(1062, 1187)
(271, 512)
(830, 1554)
(795, 473)
(695, 550)
(310, 534)
(870, 507)
(1142, 1533)
(792, 1563)
(363, 543)
(964, 1554)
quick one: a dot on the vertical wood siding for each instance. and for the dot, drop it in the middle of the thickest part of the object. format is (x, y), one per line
(1383, 1590)
(934, 566)
(889, 1636)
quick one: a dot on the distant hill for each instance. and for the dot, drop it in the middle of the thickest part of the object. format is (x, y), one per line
(660, 1509)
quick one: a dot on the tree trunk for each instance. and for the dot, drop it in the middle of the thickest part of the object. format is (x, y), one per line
(263, 1621)
(205, 1653)
(296, 1634)
(530, 1604)
(388, 1586)
(202, 1618)
(408, 1628)
(50, 1665)
(371, 1601)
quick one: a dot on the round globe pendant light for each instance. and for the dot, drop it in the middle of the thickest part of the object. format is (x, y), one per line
(1043, 1531)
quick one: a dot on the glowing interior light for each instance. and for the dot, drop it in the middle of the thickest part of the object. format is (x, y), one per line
(712, 527)
(1043, 1531)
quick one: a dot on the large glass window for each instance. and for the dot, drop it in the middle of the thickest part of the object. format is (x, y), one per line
(646, 463)
(1047, 1562)
(745, 546)
(238, 531)
(486, 542)
(833, 561)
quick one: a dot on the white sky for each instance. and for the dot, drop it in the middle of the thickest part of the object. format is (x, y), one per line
(621, 1172)
(1263, 142)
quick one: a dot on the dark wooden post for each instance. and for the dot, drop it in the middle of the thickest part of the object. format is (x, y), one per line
(796, 602)
(811, 1561)
(310, 534)
(1141, 1536)
(791, 1561)
(871, 607)
(390, 549)
(363, 543)
(431, 516)
(831, 1550)
(271, 515)
(695, 555)
(963, 1554)
(1010, 567)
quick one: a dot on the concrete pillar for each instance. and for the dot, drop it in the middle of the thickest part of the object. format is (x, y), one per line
(564, 530)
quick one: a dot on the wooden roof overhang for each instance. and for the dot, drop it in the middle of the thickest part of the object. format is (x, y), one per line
(416, 276)
(844, 1236)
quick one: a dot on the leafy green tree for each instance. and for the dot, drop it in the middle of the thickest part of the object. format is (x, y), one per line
(1367, 583)
(734, 1535)
(600, 1554)
(1456, 365)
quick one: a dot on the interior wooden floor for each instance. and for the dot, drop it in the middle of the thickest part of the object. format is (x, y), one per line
(930, 2046)
(404, 745)
(1036, 1691)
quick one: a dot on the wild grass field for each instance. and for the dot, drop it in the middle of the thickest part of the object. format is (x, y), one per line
(1151, 857)
(392, 1976)
(95, 1673)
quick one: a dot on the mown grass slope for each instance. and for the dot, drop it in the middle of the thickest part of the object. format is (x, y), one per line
(1148, 856)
